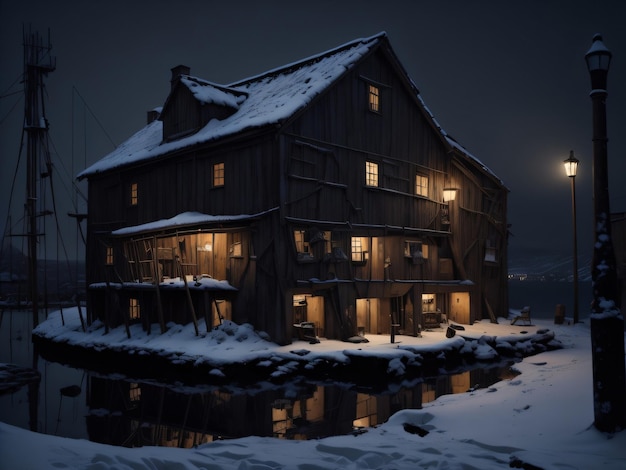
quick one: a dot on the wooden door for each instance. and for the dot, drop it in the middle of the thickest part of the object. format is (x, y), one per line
(460, 307)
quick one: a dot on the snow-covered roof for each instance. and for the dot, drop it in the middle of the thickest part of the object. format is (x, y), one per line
(207, 92)
(271, 98)
(185, 219)
(259, 101)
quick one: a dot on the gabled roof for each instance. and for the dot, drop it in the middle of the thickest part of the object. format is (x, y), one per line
(272, 97)
(263, 100)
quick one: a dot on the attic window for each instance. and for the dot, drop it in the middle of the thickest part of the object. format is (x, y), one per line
(374, 98)
(218, 175)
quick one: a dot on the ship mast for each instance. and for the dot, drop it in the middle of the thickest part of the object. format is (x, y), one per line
(38, 62)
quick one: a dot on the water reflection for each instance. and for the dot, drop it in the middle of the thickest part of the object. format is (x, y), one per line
(128, 413)
(121, 411)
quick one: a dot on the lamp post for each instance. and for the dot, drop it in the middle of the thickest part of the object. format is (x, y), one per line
(607, 325)
(571, 166)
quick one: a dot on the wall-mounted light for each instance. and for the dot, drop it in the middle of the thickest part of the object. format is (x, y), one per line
(449, 194)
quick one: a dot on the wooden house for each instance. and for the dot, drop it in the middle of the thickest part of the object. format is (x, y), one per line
(321, 193)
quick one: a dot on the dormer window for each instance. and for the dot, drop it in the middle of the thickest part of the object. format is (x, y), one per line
(193, 102)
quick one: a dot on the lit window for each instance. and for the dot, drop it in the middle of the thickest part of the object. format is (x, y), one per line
(371, 174)
(374, 98)
(134, 194)
(109, 255)
(359, 249)
(428, 303)
(421, 185)
(218, 174)
(133, 309)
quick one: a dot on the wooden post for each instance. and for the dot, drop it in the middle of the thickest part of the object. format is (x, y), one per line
(189, 300)
(156, 281)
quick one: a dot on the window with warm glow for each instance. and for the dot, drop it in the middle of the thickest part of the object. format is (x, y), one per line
(134, 194)
(218, 175)
(133, 309)
(109, 255)
(429, 304)
(371, 174)
(421, 185)
(359, 249)
(374, 98)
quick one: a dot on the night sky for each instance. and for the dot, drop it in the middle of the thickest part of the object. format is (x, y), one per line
(507, 79)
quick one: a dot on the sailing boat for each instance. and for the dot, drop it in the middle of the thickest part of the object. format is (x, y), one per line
(38, 63)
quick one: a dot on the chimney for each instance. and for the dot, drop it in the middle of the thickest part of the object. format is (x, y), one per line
(177, 72)
(153, 115)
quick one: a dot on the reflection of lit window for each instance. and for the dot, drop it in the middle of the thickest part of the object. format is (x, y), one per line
(371, 174)
(218, 174)
(366, 411)
(109, 255)
(374, 98)
(134, 392)
(359, 249)
(133, 309)
(421, 185)
(303, 247)
(134, 194)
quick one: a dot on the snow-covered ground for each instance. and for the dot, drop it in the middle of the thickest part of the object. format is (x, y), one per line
(543, 417)
(217, 352)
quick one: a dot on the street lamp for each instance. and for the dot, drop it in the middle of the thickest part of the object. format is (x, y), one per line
(606, 323)
(571, 166)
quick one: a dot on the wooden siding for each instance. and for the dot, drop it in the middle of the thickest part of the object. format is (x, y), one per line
(312, 169)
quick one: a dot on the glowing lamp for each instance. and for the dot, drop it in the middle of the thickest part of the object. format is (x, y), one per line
(449, 194)
(571, 165)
